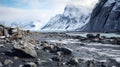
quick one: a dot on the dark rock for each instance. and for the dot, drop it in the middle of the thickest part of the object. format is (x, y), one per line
(1, 31)
(66, 50)
(93, 35)
(90, 63)
(82, 44)
(48, 47)
(40, 62)
(73, 61)
(30, 64)
(55, 58)
(8, 62)
(55, 49)
(102, 37)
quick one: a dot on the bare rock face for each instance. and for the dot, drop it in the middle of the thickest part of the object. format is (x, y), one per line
(105, 17)
(1, 31)
(27, 48)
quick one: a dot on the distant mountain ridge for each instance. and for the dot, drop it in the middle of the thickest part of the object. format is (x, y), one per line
(71, 19)
(105, 17)
(33, 25)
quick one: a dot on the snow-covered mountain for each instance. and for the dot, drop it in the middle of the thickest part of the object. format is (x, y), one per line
(71, 19)
(104, 18)
(33, 25)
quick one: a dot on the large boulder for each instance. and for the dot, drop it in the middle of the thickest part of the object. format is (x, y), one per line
(66, 50)
(26, 48)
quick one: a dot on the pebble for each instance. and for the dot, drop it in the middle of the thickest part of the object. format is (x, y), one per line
(1, 64)
(73, 61)
(16, 58)
(8, 61)
(30, 64)
(66, 50)
(55, 58)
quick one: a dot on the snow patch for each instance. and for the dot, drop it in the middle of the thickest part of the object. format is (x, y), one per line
(109, 2)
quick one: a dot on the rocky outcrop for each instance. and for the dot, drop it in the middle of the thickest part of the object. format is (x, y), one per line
(1, 31)
(105, 17)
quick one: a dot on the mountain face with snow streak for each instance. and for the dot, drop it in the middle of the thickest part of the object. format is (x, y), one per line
(71, 19)
(104, 18)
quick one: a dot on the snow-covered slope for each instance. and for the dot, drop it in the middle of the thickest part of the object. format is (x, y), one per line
(72, 18)
(33, 25)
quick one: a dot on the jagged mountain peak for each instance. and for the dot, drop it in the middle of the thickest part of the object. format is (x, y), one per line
(72, 18)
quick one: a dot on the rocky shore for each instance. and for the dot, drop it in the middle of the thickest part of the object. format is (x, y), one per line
(22, 48)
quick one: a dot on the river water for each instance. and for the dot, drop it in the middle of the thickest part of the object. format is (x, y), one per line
(92, 51)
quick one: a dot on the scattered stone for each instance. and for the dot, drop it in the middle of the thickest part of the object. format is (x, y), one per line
(1, 64)
(40, 62)
(93, 35)
(73, 61)
(2, 37)
(82, 44)
(90, 63)
(59, 53)
(30, 64)
(27, 48)
(102, 37)
(2, 53)
(55, 49)
(48, 47)
(66, 50)
(55, 58)
(21, 66)
(8, 62)
(6, 33)
(16, 58)
(2, 46)
(90, 36)
(96, 40)
(1, 31)
(44, 42)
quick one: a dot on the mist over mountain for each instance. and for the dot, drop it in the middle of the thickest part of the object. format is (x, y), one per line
(78, 15)
(75, 15)
(72, 18)
(105, 17)
(31, 25)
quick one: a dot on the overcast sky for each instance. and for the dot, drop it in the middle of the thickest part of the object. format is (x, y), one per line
(31, 10)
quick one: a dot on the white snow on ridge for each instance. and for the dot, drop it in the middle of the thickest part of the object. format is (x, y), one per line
(74, 16)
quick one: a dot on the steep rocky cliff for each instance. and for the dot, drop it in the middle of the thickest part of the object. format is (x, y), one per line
(105, 17)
